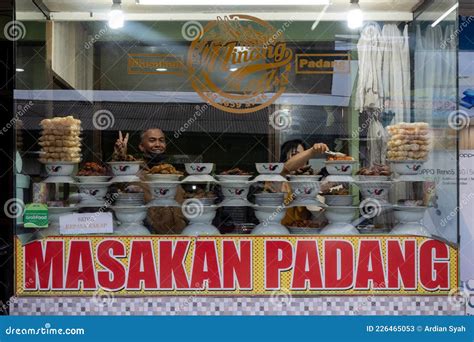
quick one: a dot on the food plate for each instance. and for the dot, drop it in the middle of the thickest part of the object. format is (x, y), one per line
(269, 178)
(59, 179)
(233, 178)
(199, 179)
(163, 203)
(339, 179)
(162, 177)
(302, 178)
(305, 202)
(235, 202)
(92, 179)
(125, 179)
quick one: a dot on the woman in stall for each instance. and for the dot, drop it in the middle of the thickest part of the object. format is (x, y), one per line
(296, 155)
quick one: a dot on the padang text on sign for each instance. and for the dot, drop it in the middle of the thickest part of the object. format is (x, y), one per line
(243, 265)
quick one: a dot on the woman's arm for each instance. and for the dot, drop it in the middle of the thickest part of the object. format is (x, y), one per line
(301, 159)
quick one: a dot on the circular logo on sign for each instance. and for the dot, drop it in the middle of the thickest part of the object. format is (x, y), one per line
(239, 64)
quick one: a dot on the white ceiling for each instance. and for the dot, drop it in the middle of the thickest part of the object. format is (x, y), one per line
(131, 6)
(81, 9)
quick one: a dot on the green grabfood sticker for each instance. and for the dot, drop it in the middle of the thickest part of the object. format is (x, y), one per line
(35, 216)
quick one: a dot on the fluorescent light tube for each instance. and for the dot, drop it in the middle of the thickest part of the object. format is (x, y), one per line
(445, 14)
(233, 3)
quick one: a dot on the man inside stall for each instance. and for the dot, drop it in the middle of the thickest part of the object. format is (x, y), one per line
(160, 220)
(152, 145)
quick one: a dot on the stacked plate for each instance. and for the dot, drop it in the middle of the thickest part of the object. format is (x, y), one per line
(338, 200)
(304, 231)
(207, 201)
(162, 177)
(268, 199)
(130, 199)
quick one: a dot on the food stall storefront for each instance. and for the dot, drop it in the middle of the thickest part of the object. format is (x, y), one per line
(261, 158)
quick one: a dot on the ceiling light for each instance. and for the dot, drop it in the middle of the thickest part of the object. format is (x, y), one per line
(355, 17)
(233, 69)
(240, 2)
(116, 16)
(19, 70)
(161, 69)
(445, 14)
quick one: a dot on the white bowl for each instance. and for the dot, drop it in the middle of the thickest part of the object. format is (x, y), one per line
(269, 168)
(162, 177)
(338, 200)
(339, 229)
(233, 178)
(407, 214)
(340, 167)
(130, 215)
(199, 168)
(199, 179)
(378, 190)
(203, 214)
(269, 199)
(413, 228)
(268, 214)
(304, 231)
(406, 167)
(340, 214)
(199, 229)
(163, 190)
(269, 178)
(125, 168)
(270, 229)
(96, 190)
(235, 190)
(92, 179)
(304, 189)
(59, 168)
(133, 229)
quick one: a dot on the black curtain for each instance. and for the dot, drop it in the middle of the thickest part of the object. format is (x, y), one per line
(7, 176)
